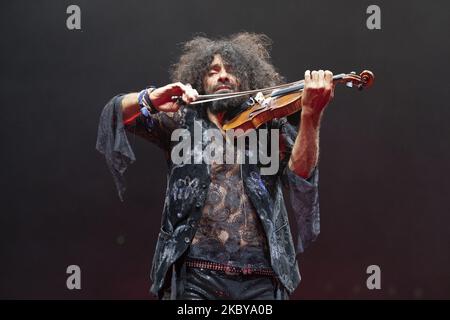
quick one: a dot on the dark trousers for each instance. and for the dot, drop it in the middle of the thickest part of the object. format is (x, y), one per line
(203, 284)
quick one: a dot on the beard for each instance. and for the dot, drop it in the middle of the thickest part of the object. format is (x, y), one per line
(224, 105)
(230, 107)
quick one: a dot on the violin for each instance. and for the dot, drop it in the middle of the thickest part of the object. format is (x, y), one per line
(277, 101)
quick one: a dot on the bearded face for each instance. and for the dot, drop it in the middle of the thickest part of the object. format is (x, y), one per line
(220, 79)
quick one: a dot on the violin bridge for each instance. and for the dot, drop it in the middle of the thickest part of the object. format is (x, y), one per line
(259, 97)
(261, 100)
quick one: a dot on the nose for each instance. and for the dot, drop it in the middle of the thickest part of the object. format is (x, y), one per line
(223, 76)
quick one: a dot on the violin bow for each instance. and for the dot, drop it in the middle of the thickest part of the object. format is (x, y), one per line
(364, 79)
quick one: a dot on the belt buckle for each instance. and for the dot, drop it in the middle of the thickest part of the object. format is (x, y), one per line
(229, 271)
(247, 270)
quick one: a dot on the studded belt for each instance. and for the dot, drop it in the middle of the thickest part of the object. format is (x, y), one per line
(228, 269)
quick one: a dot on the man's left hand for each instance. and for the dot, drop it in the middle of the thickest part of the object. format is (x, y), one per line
(318, 91)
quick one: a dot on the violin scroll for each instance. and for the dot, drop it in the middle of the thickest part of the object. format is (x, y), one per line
(364, 80)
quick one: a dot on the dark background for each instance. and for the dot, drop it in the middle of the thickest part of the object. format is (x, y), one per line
(384, 184)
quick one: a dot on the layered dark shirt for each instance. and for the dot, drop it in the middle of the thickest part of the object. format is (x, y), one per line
(229, 231)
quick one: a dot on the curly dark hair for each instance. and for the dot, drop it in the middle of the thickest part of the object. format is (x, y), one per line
(246, 53)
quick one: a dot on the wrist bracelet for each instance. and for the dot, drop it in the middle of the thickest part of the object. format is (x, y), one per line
(145, 103)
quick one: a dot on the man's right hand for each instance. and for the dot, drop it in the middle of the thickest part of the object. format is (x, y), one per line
(162, 97)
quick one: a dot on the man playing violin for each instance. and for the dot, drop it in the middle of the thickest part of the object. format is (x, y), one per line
(225, 232)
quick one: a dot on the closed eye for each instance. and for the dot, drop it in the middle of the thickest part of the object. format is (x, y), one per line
(214, 70)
